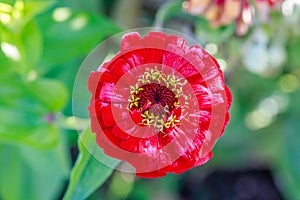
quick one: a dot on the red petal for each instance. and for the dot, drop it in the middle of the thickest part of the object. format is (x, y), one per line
(131, 41)
(177, 41)
(95, 108)
(205, 117)
(175, 49)
(198, 140)
(131, 144)
(204, 159)
(172, 57)
(154, 46)
(135, 58)
(156, 41)
(193, 63)
(149, 146)
(107, 115)
(110, 144)
(217, 65)
(106, 93)
(164, 139)
(119, 132)
(136, 116)
(203, 97)
(228, 96)
(97, 78)
(153, 174)
(158, 34)
(119, 67)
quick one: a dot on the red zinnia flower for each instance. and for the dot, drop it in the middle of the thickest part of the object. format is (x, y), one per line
(159, 104)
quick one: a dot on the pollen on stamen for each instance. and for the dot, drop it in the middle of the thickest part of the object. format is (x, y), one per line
(161, 92)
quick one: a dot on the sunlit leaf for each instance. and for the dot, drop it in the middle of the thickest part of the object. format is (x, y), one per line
(32, 45)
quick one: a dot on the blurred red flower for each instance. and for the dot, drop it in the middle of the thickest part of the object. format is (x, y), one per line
(223, 12)
(159, 104)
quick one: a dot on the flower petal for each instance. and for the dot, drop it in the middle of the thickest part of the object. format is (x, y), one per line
(119, 67)
(154, 48)
(153, 174)
(131, 144)
(107, 115)
(119, 132)
(131, 41)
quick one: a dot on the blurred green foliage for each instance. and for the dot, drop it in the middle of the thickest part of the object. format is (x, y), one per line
(42, 45)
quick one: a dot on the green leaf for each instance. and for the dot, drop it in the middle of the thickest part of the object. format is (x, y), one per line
(28, 173)
(6, 66)
(22, 12)
(288, 160)
(89, 173)
(74, 36)
(28, 104)
(51, 93)
(10, 2)
(32, 45)
(27, 45)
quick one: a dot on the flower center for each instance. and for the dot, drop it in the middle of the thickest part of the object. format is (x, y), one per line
(156, 94)
(154, 100)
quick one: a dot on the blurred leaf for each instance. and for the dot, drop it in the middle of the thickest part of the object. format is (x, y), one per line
(94, 6)
(293, 53)
(288, 163)
(73, 37)
(28, 10)
(32, 45)
(67, 74)
(23, 46)
(89, 173)
(29, 104)
(11, 2)
(169, 10)
(288, 160)
(28, 173)
(34, 7)
(51, 93)
(5, 64)
(22, 12)
(207, 34)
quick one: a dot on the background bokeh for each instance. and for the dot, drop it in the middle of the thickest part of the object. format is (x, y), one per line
(42, 46)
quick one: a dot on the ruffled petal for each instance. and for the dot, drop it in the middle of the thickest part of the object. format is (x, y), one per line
(131, 41)
(154, 46)
(119, 67)
(131, 144)
(204, 159)
(97, 78)
(153, 174)
(119, 132)
(175, 49)
(107, 115)
(135, 58)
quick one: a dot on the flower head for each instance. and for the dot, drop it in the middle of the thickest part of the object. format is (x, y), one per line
(223, 12)
(159, 104)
